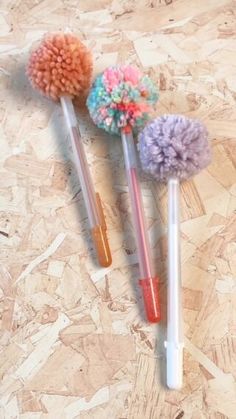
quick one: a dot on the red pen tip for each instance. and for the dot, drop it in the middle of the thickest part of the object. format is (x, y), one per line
(151, 299)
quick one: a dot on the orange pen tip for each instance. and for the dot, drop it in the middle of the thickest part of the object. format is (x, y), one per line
(102, 246)
(151, 299)
(100, 238)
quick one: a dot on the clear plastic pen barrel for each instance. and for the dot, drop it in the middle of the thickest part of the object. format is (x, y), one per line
(148, 281)
(91, 199)
(174, 344)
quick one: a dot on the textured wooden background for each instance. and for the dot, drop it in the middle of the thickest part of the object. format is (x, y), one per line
(74, 343)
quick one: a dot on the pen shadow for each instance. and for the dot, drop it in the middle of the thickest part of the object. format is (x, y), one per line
(123, 204)
(26, 97)
(65, 152)
(157, 212)
(20, 89)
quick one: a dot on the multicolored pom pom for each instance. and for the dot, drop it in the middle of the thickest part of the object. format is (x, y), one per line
(121, 96)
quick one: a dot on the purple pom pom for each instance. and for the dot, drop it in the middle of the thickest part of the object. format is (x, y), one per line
(174, 146)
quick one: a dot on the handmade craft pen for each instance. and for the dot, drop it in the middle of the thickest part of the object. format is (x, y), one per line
(61, 69)
(174, 148)
(119, 102)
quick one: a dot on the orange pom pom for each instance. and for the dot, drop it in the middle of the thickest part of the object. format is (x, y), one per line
(61, 65)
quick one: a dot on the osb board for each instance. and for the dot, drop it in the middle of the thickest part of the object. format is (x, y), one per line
(74, 342)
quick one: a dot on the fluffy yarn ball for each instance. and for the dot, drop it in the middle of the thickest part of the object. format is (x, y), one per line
(121, 96)
(174, 146)
(60, 65)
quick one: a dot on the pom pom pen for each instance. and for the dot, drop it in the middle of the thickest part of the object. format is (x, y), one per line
(120, 100)
(173, 148)
(61, 68)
